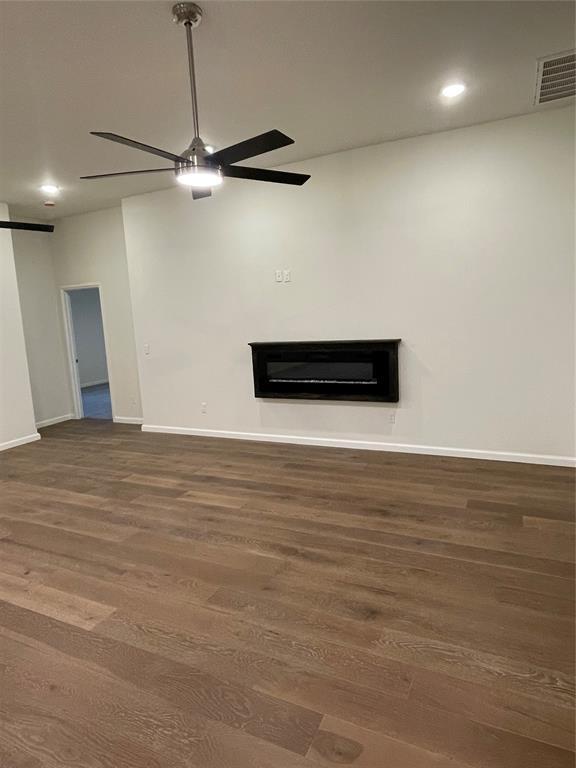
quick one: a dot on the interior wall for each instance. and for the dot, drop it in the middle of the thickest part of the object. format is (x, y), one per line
(89, 336)
(43, 332)
(17, 425)
(87, 249)
(459, 243)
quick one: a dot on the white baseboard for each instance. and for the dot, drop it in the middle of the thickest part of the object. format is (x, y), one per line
(55, 420)
(368, 445)
(94, 383)
(127, 420)
(19, 441)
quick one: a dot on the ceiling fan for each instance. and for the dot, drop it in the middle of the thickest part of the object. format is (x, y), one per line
(25, 225)
(196, 167)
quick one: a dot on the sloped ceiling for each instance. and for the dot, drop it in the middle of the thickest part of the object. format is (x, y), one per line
(333, 75)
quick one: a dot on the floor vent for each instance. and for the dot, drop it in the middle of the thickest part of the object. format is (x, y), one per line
(556, 77)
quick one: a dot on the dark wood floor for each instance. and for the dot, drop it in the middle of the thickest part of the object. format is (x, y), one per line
(178, 602)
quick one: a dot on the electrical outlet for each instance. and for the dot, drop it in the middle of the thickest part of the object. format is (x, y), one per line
(279, 276)
(287, 276)
(392, 417)
(147, 349)
(204, 407)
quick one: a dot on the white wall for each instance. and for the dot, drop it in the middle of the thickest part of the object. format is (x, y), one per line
(89, 248)
(16, 411)
(461, 243)
(89, 336)
(43, 332)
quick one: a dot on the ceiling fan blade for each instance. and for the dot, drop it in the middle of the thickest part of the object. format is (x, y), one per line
(264, 174)
(138, 145)
(25, 225)
(125, 173)
(198, 194)
(257, 145)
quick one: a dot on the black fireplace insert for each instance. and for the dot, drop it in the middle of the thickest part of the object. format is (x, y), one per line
(327, 370)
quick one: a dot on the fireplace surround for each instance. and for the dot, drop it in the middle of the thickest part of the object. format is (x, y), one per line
(327, 370)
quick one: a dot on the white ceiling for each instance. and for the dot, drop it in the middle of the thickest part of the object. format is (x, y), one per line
(333, 75)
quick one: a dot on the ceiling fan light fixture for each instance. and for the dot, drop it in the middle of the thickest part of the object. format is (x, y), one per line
(199, 177)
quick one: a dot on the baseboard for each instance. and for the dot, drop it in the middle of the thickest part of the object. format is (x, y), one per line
(93, 383)
(55, 420)
(19, 441)
(367, 445)
(127, 420)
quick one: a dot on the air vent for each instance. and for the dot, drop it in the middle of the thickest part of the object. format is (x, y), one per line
(556, 77)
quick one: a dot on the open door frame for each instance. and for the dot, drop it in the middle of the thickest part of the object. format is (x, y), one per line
(65, 291)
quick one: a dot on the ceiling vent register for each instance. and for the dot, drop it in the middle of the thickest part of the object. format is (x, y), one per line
(556, 77)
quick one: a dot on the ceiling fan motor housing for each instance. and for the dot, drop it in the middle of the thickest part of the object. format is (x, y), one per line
(195, 155)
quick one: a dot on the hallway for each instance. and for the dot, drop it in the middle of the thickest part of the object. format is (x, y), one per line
(96, 402)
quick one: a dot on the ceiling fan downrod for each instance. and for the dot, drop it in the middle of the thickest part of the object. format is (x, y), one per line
(190, 15)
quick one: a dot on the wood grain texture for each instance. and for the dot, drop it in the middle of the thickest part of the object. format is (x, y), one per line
(202, 603)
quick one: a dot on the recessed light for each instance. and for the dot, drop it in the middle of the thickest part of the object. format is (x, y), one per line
(50, 189)
(453, 90)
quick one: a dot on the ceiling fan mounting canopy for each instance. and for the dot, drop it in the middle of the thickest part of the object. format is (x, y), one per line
(196, 167)
(187, 13)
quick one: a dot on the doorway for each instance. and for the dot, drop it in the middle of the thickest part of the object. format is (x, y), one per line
(87, 352)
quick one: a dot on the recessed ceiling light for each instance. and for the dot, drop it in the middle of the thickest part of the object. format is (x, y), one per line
(453, 90)
(50, 189)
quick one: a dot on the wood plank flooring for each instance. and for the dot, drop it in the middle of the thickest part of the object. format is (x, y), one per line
(178, 602)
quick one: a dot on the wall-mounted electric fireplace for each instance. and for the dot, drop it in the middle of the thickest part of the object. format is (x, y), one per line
(327, 370)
